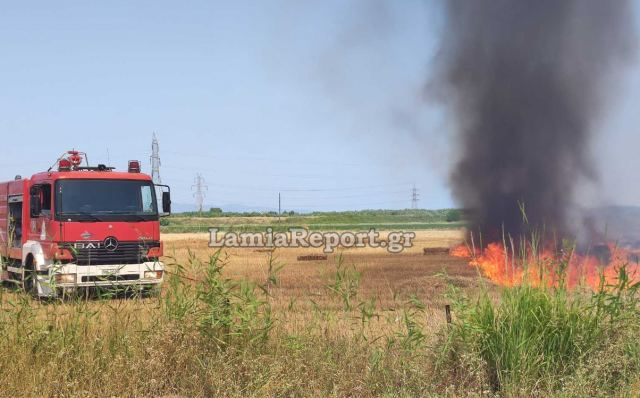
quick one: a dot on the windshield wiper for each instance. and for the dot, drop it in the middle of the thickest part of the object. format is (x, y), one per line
(137, 217)
(124, 214)
(91, 217)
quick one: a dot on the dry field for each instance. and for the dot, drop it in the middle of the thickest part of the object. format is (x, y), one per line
(384, 275)
(388, 279)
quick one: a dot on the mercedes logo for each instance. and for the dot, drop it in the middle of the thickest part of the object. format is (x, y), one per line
(111, 243)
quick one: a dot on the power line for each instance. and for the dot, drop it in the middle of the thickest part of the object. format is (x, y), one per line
(362, 205)
(287, 160)
(313, 197)
(238, 169)
(287, 189)
(338, 199)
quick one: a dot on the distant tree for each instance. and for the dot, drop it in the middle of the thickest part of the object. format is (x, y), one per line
(215, 210)
(453, 215)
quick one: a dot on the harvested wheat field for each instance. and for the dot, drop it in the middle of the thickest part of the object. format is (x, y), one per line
(387, 280)
(386, 277)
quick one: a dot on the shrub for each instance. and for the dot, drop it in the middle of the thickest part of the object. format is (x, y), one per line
(453, 215)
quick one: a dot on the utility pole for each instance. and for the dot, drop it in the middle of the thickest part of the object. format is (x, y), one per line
(199, 185)
(414, 197)
(155, 160)
(279, 206)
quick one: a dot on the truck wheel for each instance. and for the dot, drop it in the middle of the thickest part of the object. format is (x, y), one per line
(29, 279)
(151, 292)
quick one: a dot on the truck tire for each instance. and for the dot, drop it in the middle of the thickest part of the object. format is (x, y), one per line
(151, 292)
(29, 278)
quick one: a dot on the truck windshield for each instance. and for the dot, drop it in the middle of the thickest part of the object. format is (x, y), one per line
(105, 200)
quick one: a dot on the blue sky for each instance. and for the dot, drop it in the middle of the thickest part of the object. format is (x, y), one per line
(323, 101)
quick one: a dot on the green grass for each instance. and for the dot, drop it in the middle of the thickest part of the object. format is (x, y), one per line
(404, 215)
(320, 221)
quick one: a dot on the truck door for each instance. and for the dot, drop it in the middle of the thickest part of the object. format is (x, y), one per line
(40, 211)
(14, 230)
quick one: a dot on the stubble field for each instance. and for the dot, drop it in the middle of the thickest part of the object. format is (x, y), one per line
(390, 279)
(388, 282)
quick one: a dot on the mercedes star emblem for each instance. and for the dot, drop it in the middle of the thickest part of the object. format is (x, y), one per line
(111, 243)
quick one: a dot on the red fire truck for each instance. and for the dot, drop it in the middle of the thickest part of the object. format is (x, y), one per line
(81, 226)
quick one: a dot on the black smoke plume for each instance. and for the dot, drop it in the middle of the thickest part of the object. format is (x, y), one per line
(526, 80)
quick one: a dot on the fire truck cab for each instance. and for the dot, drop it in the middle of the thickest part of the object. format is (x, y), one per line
(79, 226)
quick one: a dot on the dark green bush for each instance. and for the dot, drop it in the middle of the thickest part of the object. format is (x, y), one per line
(453, 215)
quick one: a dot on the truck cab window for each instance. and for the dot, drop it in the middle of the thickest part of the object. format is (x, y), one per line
(45, 194)
(147, 199)
(105, 200)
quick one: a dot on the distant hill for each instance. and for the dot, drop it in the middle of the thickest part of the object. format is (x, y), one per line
(615, 222)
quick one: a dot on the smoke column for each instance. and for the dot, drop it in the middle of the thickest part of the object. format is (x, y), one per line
(525, 81)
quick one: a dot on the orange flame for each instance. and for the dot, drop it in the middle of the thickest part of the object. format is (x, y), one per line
(548, 268)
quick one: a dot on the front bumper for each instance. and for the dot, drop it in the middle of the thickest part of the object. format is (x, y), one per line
(102, 275)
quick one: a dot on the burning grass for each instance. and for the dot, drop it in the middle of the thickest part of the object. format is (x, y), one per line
(562, 311)
(507, 265)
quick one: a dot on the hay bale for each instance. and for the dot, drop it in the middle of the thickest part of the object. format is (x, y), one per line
(435, 250)
(312, 257)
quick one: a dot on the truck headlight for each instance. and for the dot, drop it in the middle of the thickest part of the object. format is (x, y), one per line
(152, 274)
(65, 278)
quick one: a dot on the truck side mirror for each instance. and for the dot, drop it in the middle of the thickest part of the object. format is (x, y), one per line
(35, 207)
(165, 190)
(166, 202)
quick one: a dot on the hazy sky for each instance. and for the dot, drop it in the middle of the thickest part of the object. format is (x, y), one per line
(323, 101)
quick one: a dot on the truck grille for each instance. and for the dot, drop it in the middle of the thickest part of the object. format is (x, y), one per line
(125, 253)
(110, 278)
